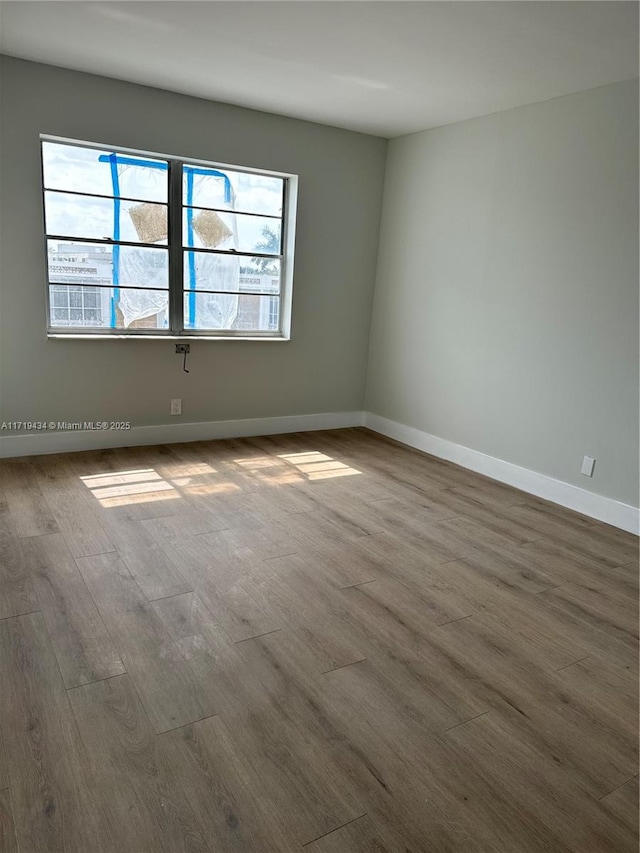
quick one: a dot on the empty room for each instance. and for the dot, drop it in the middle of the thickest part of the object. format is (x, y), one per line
(319, 426)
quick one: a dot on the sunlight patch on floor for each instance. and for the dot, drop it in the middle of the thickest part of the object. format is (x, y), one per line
(121, 488)
(318, 466)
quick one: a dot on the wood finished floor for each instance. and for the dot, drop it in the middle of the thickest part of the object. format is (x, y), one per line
(321, 642)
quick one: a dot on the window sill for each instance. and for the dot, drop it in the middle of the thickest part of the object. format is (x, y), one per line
(174, 338)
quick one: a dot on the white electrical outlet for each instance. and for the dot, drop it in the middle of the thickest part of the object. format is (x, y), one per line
(176, 407)
(587, 466)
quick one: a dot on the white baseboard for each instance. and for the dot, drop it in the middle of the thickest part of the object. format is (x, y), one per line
(596, 506)
(33, 444)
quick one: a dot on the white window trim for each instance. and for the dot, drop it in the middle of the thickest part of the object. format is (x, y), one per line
(176, 249)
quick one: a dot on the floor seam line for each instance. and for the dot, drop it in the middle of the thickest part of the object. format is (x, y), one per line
(573, 663)
(324, 835)
(17, 615)
(173, 595)
(464, 722)
(342, 666)
(184, 725)
(257, 636)
(459, 619)
(626, 782)
(548, 589)
(96, 681)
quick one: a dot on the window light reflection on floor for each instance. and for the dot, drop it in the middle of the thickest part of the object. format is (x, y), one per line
(142, 485)
(122, 488)
(318, 466)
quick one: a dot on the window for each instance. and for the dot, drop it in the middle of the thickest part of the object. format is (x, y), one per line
(75, 306)
(139, 244)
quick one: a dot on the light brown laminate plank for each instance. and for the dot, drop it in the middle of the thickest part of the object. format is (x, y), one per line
(223, 789)
(314, 528)
(613, 536)
(215, 569)
(362, 835)
(541, 788)
(173, 528)
(266, 542)
(469, 504)
(623, 802)
(470, 811)
(55, 804)
(82, 644)
(75, 516)
(155, 573)
(125, 483)
(295, 780)
(282, 591)
(428, 581)
(574, 726)
(8, 841)
(567, 566)
(17, 594)
(609, 689)
(147, 808)
(604, 624)
(521, 616)
(578, 537)
(169, 691)
(29, 510)
(507, 570)
(5, 779)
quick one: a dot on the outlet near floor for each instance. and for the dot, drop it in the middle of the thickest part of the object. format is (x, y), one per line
(588, 464)
(176, 407)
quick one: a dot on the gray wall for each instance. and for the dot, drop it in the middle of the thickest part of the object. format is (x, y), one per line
(506, 307)
(323, 367)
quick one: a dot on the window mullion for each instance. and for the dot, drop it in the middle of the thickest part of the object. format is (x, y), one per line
(176, 302)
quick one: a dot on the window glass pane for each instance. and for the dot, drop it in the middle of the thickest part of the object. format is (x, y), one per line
(90, 170)
(142, 309)
(83, 216)
(106, 307)
(90, 263)
(209, 229)
(224, 188)
(215, 311)
(207, 271)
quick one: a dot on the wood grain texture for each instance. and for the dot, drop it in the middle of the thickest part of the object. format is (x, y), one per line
(171, 695)
(75, 516)
(55, 807)
(222, 788)
(215, 570)
(82, 644)
(623, 802)
(5, 779)
(8, 841)
(332, 643)
(267, 725)
(155, 573)
(147, 809)
(30, 513)
(365, 834)
(17, 594)
(571, 815)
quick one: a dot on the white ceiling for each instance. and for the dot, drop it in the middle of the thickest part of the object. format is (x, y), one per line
(386, 68)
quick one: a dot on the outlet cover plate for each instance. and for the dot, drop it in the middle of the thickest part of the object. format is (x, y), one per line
(588, 464)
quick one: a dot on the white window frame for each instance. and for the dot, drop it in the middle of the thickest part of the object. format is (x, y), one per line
(176, 249)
